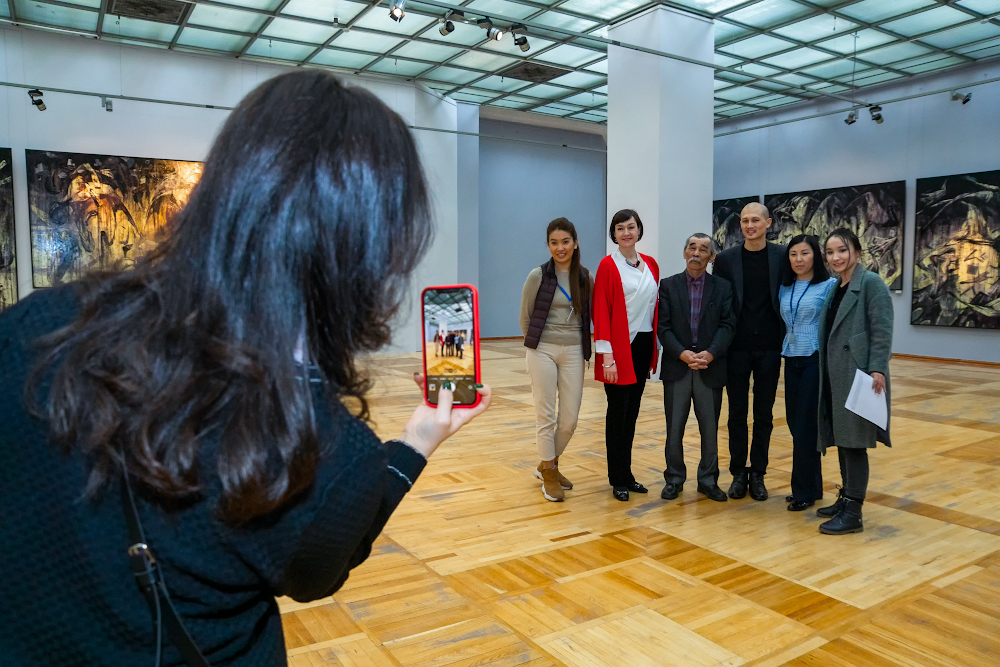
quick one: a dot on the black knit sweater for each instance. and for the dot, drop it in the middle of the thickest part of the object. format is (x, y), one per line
(68, 596)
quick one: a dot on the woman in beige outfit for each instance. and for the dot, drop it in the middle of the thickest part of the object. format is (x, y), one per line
(555, 320)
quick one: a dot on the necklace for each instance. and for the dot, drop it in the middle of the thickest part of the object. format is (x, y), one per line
(638, 261)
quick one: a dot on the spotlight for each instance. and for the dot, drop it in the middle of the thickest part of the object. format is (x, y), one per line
(852, 118)
(964, 98)
(522, 41)
(876, 112)
(396, 12)
(492, 31)
(446, 28)
(36, 98)
(106, 103)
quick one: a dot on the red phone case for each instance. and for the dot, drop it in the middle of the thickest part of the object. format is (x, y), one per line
(475, 337)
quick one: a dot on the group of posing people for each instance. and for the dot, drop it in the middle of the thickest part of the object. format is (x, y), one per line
(762, 302)
(451, 345)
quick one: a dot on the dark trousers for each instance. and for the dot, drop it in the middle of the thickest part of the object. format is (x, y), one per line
(765, 367)
(677, 398)
(854, 472)
(801, 404)
(623, 410)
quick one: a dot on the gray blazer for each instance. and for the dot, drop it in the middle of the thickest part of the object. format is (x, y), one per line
(860, 338)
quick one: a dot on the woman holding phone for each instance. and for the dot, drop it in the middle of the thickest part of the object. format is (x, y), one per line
(555, 320)
(625, 292)
(855, 334)
(160, 393)
(804, 286)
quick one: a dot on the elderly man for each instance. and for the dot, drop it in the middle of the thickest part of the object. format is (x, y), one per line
(695, 327)
(754, 270)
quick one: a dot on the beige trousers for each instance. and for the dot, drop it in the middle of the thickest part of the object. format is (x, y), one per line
(556, 373)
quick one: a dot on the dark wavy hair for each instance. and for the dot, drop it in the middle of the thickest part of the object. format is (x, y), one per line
(579, 277)
(623, 216)
(848, 237)
(310, 216)
(820, 272)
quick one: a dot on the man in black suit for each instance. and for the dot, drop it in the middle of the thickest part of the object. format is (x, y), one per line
(754, 269)
(695, 327)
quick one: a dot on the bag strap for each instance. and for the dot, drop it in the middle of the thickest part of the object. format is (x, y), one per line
(150, 582)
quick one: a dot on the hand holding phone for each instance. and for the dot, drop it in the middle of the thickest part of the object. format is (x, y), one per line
(430, 426)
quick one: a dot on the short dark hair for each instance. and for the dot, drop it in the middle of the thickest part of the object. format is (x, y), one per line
(621, 216)
(703, 235)
(820, 273)
(847, 236)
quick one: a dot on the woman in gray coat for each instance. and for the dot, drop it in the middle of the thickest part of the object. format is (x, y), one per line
(855, 333)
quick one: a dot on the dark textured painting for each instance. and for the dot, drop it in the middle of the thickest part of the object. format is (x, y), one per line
(8, 256)
(874, 212)
(956, 278)
(726, 220)
(100, 212)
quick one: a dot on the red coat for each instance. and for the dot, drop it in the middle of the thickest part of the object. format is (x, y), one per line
(611, 319)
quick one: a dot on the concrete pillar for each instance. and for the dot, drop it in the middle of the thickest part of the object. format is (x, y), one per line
(660, 130)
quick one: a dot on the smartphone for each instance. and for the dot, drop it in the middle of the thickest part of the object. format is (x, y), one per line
(450, 324)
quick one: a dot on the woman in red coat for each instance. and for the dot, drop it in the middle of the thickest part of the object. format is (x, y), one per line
(625, 291)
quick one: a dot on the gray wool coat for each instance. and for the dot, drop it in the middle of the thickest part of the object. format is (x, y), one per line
(860, 338)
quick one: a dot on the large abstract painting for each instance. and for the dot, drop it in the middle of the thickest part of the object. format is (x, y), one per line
(726, 220)
(956, 278)
(8, 261)
(874, 212)
(100, 212)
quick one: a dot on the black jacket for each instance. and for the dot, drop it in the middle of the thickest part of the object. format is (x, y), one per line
(715, 329)
(729, 265)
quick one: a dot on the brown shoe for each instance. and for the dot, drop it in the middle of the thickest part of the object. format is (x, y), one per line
(551, 488)
(563, 482)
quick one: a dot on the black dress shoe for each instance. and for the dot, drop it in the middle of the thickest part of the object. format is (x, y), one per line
(848, 521)
(799, 505)
(637, 488)
(713, 492)
(671, 490)
(757, 489)
(738, 489)
(789, 498)
(620, 493)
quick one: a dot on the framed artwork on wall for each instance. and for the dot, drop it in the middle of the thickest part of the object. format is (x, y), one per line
(956, 278)
(726, 220)
(99, 212)
(875, 213)
(8, 253)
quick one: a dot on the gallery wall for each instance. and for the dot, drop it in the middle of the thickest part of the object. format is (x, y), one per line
(922, 137)
(529, 176)
(76, 123)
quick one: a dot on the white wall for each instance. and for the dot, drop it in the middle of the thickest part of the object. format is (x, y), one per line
(468, 194)
(922, 137)
(144, 129)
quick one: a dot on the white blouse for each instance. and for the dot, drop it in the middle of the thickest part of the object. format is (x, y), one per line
(640, 290)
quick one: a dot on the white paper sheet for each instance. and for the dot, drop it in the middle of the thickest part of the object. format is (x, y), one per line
(864, 402)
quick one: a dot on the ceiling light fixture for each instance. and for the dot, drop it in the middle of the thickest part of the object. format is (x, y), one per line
(447, 27)
(36, 98)
(964, 98)
(396, 12)
(852, 117)
(876, 112)
(492, 31)
(521, 41)
(106, 103)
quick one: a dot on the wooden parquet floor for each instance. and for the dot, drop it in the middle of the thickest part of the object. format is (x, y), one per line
(477, 568)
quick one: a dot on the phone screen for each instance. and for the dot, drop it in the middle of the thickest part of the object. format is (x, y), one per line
(451, 342)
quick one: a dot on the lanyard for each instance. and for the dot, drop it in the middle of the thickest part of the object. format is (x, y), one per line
(795, 308)
(568, 298)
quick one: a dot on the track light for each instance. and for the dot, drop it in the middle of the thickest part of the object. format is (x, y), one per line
(964, 98)
(521, 41)
(492, 31)
(876, 112)
(106, 103)
(396, 12)
(447, 27)
(36, 98)
(852, 118)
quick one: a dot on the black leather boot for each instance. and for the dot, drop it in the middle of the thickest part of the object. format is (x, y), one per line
(757, 489)
(738, 489)
(834, 509)
(848, 521)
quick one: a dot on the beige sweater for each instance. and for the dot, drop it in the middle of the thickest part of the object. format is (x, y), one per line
(562, 327)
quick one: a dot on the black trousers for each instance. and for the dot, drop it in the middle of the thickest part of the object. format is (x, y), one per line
(623, 410)
(765, 367)
(854, 471)
(801, 406)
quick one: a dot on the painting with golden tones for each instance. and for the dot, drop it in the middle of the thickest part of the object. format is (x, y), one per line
(8, 257)
(726, 221)
(956, 275)
(875, 213)
(100, 212)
